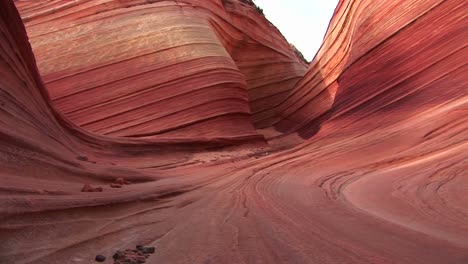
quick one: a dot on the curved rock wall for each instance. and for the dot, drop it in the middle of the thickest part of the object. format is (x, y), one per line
(381, 115)
(382, 59)
(177, 68)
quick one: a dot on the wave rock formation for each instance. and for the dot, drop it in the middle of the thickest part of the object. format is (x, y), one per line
(195, 127)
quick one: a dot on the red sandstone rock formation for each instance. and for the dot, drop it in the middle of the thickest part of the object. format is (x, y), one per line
(185, 68)
(366, 153)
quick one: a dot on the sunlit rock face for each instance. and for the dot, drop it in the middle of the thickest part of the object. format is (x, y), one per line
(194, 127)
(171, 68)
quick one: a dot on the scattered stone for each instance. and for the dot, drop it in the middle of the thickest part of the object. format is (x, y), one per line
(100, 258)
(132, 256)
(89, 188)
(82, 158)
(146, 250)
(115, 185)
(121, 181)
(119, 254)
(129, 257)
(86, 188)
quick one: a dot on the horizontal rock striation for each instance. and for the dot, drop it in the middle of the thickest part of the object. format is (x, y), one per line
(193, 127)
(181, 67)
(378, 59)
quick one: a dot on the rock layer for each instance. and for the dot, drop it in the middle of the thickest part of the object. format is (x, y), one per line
(180, 66)
(366, 156)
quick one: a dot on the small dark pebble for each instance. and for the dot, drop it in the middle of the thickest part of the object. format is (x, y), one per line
(146, 250)
(89, 188)
(100, 258)
(133, 256)
(118, 254)
(82, 158)
(121, 181)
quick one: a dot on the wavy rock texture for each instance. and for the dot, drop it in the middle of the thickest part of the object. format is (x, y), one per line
(366, 153)
(182, 67)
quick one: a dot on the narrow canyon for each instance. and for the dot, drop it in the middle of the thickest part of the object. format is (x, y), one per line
(194, 127)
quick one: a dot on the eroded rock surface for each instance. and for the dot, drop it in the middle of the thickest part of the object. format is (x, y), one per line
(236, 150)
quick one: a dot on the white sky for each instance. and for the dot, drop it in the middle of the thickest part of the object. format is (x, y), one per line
(302, 22)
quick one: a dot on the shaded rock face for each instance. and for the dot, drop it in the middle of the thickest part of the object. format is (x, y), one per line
(359, 157)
